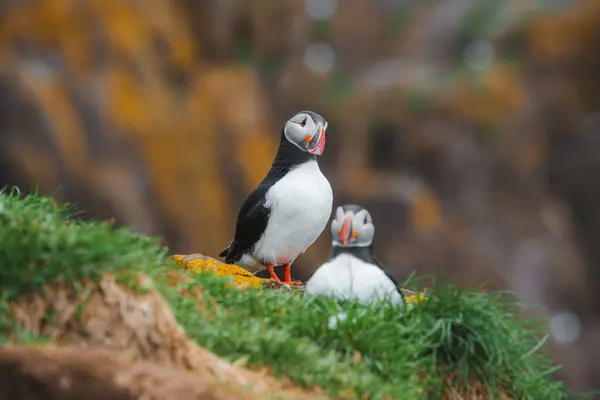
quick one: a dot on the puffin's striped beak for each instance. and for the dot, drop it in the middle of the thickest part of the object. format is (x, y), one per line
(316, 145)
(346, 230)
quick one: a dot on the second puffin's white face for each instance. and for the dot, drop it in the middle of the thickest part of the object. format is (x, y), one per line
(306, 130)
(352, 227)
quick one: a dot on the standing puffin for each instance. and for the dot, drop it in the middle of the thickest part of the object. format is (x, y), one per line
(352, 271)
(290, 208)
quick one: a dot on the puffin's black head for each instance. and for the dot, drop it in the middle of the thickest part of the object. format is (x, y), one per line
(306, 130)
(352, 227)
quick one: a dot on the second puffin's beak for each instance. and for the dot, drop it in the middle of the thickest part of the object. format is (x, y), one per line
(316, 145)
(346, 230)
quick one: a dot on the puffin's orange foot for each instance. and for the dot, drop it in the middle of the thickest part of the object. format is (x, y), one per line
(297, 283)
(287, 276)
(271, 272)
(287, 280)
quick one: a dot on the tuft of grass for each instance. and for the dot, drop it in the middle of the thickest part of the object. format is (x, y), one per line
(41, 242)
(352, 351)
(376, 351)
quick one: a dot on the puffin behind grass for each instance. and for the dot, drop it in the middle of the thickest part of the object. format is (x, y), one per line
(290, 208)
(352, 271)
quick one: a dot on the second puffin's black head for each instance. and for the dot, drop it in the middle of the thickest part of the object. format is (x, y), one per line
(352, 227)
(306, 130)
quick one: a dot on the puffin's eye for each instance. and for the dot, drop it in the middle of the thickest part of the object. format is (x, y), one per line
(303, 123)
(366, 220)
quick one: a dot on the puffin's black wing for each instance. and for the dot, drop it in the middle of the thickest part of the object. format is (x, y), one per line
(251, 223)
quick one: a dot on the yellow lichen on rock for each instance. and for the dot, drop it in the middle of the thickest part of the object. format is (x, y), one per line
(199, 263)
(243, 278)
(415, 299)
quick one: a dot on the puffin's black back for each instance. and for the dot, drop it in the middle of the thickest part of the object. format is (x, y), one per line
(253, 216)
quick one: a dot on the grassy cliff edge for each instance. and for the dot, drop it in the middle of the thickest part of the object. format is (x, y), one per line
(455, 345)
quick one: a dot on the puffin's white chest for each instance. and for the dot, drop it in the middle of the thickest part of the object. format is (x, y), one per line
(300, 204)
(349, 278)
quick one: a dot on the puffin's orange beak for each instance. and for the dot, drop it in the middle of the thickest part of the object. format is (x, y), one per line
(345, 231)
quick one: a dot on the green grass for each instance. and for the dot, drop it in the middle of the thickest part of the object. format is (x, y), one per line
(374, 352)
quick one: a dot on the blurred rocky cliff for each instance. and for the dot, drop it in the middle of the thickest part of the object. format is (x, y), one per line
(470, 129)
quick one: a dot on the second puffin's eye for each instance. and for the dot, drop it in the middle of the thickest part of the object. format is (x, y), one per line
(303, 123)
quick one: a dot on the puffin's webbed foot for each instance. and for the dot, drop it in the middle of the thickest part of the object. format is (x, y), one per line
(287, 279)
(287, 270)
(271, 271)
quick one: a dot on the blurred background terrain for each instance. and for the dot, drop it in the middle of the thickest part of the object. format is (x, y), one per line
(469, 129)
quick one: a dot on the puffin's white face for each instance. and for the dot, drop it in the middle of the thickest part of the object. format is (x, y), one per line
(306, 130)
(352, 227)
